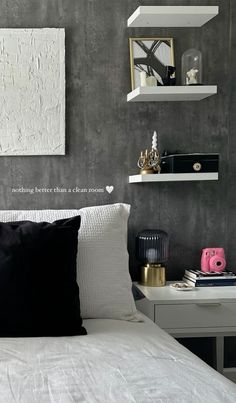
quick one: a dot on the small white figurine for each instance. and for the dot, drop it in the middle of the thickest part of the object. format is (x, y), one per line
(192, 76)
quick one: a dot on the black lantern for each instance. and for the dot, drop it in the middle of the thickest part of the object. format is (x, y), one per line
(152, 249)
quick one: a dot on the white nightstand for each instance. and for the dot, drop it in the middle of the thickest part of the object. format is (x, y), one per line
(203, 312)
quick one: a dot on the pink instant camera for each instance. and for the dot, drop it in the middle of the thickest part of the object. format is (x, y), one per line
(213, 260)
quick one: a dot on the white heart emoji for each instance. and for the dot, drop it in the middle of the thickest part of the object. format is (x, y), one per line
(109, 189)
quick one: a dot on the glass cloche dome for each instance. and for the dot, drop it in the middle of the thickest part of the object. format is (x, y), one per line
(192, 67)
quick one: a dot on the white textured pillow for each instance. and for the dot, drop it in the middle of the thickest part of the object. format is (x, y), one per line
(102, 264)
(103, 259)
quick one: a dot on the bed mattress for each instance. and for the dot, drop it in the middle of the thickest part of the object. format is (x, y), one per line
(116, 362)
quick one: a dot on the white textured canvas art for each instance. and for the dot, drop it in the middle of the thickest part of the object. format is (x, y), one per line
(32, 87)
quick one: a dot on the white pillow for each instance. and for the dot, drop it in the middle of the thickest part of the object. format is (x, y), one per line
(102, 263)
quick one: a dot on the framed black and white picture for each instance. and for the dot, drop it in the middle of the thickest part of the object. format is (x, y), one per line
(149, 57)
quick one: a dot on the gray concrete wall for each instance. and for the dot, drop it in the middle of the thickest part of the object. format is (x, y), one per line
(105, 134)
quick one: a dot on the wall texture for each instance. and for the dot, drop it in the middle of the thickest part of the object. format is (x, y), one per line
(105, 134)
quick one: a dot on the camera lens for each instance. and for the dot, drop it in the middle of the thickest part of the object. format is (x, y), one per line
(217, 263)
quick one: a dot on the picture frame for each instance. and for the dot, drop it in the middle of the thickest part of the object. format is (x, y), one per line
(151, 55)
(32, 86)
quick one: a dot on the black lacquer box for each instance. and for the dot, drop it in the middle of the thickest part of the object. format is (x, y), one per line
(190, 163)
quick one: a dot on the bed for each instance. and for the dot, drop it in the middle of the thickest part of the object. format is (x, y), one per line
(118, 361)
(124, 357)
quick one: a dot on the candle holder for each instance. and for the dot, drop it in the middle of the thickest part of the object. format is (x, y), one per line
(149, 161)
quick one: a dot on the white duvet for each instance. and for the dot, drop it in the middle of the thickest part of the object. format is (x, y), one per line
(116, 362)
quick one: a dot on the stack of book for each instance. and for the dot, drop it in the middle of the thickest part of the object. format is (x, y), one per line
(197, 278)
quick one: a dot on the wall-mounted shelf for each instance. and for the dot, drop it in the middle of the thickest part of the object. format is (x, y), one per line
(175, 93)
(183, 177)
(172, 16)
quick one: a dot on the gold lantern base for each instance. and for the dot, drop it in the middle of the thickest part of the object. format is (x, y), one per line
(153, 275)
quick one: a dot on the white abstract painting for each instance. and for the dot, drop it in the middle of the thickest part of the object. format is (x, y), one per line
(32, 91)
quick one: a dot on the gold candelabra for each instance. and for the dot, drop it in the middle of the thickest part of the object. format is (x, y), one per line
(149, 161)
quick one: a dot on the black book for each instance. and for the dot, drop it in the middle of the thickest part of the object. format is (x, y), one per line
(210, 282)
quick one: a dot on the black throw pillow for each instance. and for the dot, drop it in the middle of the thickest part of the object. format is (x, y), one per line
(39, 295)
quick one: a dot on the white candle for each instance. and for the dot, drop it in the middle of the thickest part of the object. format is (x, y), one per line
(143, 78)
(151, 81)
(154, 141)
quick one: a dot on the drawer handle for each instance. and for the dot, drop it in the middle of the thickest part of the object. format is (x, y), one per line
(209, 304)
(197, 166)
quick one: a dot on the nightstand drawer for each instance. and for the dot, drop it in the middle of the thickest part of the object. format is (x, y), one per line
(195, 315)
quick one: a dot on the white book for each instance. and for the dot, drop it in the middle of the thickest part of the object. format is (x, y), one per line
(199, 275)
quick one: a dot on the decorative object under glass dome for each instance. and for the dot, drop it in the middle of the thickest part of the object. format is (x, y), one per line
(152, 250)
(192, 67)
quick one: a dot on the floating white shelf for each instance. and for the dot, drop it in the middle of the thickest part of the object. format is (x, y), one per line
(201, 176)
(172, 16)
(172, 93)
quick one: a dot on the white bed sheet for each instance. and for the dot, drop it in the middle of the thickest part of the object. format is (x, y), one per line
(117, 361)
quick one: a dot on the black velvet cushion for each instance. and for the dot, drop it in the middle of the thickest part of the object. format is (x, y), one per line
(39, 295)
